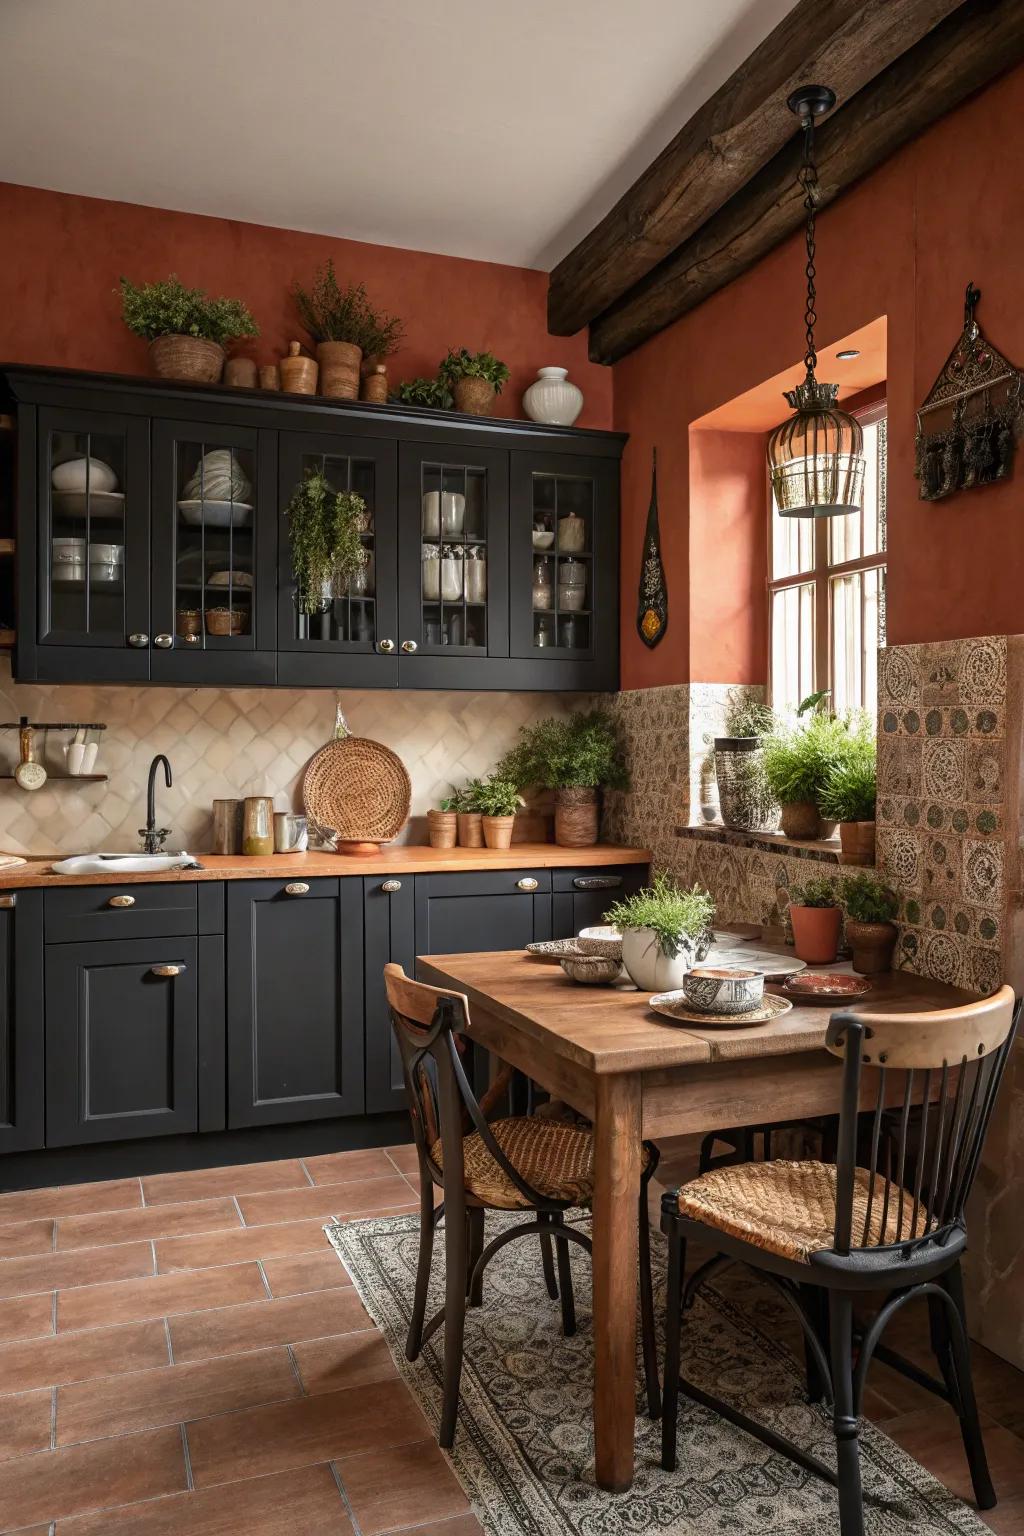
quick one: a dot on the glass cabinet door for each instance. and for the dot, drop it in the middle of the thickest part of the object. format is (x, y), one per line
(93, 502)
(208, 539)
(346, 636)
(454, 575)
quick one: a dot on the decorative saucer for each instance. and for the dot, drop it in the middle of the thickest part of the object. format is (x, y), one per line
(674, 1006)
(826, 987)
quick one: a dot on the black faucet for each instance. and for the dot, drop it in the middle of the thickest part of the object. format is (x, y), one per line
(153, 837)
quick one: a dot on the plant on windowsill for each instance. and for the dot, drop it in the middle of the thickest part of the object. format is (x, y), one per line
(576, 755)
(498, 799)
(816, 917)
(474, 378)
(344, 325)
(326, 550)
(744, 798)
(797, 763)
(870, 929)
(185, 328)
(662, 928)
(848, 797)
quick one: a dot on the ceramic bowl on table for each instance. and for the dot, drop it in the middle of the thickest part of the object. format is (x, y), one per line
(723, 989)
(591, 970)
(601, 941)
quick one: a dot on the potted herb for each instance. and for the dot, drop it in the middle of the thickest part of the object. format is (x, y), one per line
(797, 765)
(432, 393)
(576, 755)
(498, 799)
(744, 798)
(474, 378)
(442, 822)
(343, 323)
(815, 915)
(848, 797)
(324, 533)
(185, 328)
(870, 909)
(662, 927)
(471, 832)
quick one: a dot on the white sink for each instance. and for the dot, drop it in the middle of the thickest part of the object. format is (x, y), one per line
(121, 863)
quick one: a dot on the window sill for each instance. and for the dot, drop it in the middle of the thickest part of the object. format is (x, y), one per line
(826, 850)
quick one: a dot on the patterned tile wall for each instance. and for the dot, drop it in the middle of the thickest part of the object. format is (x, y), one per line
(230, 744)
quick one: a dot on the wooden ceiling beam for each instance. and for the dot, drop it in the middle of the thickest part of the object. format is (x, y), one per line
(840, 43)
(980, 40)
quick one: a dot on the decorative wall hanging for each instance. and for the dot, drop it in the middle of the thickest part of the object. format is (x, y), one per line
(652, 601)
(967, 427)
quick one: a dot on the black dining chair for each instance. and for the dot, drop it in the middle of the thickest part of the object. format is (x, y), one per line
(530, 1163)
(894, 1228)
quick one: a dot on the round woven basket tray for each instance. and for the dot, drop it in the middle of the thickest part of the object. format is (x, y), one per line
(356, 791)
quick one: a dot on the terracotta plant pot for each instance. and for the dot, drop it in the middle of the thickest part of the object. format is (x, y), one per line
(298, 374)
(872, 945)
(339, 369)
(475, 397)
(815, 933)
(801, 820)
(471, 832)
(498, 831)
(850, 842)
(443, 828)
(866, 840)
(577, 815)
(187, 357)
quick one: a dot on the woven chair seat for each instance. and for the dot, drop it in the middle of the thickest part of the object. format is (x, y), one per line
(557, 1159)
(790, 1208)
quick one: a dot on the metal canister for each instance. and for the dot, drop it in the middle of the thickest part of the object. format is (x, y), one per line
(291, 832)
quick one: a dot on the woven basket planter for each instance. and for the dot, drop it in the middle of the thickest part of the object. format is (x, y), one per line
(577, 814)
(442, 828)
(187, 357)
(339, 369)
(801, 819)
(475, 397)
(744, 798)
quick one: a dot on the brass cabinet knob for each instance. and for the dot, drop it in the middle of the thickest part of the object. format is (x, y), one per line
(166, 970)
(408, 646)
(163, 641)
(527, 883)
(391, 886)
(387, 646)
(296, 888)
(138, 640)
(121, 901)
(7, 899)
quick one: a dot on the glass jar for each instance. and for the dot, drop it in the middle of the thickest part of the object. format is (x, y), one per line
(542, 585)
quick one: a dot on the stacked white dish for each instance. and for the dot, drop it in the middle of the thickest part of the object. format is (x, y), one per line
(218, 492)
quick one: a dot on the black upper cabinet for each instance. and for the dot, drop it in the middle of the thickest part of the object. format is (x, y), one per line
(492, 545)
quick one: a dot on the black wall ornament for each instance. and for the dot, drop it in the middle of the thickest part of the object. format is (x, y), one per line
(652, 600)
(967, 427)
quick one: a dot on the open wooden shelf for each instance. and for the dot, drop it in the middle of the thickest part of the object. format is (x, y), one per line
(68, 778)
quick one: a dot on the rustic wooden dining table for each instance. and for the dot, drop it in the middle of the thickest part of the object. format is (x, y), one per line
(639, 1076)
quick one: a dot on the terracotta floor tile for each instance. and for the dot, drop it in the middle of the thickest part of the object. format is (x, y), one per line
(337, 1167)
(230, 1330)
(301, 1503)
(70, 1200)
(245, 1179)
(152, 1221)
(404, 1486)
(78, 1356)
(345, 1360)
(59, 1271)
(404, 1158)
(23, 1238)
(123, 1301)
(26, 1317)
(117, 1405)
(232, 1247)
(309, 1430)
(25, 1421)
(325, 1200)
(88, 1477)
(321, 1271)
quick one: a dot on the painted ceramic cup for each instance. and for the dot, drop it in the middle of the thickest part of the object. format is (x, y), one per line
(723, 989)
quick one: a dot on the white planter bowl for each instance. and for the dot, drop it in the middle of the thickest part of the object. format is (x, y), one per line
(552, 399)
(651, 970)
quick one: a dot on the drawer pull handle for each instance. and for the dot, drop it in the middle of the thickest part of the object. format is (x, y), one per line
(166, 970)
(7, 899)
(296, 888)
(597, 882)
(391, 886)
(121, 901)
(527, 883)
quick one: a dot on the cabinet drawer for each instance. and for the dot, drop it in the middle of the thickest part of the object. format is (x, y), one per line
(121, 912)
(614, 881)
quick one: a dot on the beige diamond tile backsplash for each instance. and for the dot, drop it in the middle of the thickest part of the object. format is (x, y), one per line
(230, 744)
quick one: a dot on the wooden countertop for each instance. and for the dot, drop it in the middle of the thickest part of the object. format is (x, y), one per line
(396, 860)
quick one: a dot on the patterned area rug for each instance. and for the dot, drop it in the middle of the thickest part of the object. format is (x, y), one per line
(524, 1444)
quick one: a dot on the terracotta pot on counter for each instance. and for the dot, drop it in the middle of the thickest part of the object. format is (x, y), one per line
(442, 828)
(866, 841)
(298, 373)
(498, 831)
(474, 397)
(191, 358)
(801, 820)
(815, 933)
(577, 813)
(339, 369)
(471, 831)
(872, 945)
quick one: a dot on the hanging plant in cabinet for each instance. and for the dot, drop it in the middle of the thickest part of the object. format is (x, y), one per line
(324, 534)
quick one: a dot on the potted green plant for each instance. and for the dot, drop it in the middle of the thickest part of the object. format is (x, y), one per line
(661, 928)
(474, 378)
(816, 917)
(185, 328)
(470, 816)
(498, 799)
(848, 797)
(432, 393)
(797, 764)
(324, 529)
(576, 755)
(744, 798)
(344, 324)
(870, 930)
(442, 821)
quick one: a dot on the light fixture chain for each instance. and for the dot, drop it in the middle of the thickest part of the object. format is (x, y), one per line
(809, 182)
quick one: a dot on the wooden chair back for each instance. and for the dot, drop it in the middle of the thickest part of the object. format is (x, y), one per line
(925, 1151)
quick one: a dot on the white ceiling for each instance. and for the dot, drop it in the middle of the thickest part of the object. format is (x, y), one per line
(496, 129)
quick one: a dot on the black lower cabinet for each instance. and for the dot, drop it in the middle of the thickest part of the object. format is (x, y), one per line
(581, 898)
(121, 1040)
(389, 908)
(295, 1000)
(500, 909)
(21, 1021)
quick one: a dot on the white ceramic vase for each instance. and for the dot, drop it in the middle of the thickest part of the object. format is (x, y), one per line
(652, 970)
(552, 399)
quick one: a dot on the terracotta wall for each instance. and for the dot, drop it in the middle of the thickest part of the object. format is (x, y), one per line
(728, 549)
(903, 243)
(61, 256)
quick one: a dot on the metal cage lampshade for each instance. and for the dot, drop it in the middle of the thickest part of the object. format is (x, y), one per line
(816, 458)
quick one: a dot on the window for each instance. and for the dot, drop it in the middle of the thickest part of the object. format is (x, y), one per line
(826, 593)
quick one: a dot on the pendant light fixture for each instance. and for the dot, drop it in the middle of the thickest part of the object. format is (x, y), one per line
(816, 458)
